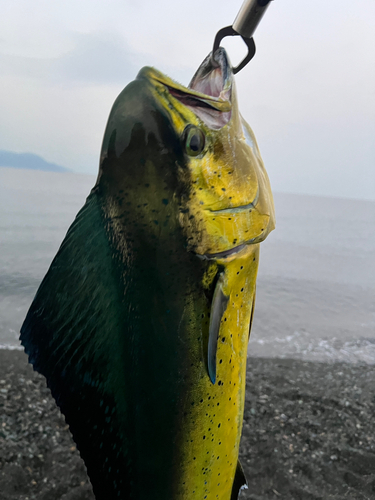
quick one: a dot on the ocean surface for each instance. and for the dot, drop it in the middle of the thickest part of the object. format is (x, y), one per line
(316, 281)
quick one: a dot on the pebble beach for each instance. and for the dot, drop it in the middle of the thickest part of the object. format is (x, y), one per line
(308, 434)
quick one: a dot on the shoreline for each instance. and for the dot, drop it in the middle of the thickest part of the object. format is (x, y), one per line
(307, 433)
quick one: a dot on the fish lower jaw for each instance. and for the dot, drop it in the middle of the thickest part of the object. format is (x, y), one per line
(236, 251)
(231, 253)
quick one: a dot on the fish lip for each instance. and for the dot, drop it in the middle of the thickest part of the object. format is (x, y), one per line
(237, 209)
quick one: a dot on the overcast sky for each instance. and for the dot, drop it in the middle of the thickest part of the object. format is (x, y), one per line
(309, 93)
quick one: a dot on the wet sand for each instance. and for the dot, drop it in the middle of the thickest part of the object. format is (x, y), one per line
(308, 434)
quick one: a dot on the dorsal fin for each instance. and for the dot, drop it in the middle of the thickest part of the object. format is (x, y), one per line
(72, 336)
(218, 307)
(239, 482)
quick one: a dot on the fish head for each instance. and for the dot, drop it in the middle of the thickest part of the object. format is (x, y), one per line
(189, 149)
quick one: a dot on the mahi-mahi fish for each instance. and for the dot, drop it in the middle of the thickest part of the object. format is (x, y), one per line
(142, 322)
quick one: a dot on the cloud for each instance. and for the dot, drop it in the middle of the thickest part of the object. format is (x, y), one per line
(96, 58)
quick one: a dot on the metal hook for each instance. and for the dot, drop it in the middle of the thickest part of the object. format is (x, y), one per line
(244, 26)
(229, 31)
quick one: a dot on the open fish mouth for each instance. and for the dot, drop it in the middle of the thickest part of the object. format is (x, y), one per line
(209, 92)
(215, 81)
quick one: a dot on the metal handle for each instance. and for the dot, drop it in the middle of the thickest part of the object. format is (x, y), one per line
(249, 17)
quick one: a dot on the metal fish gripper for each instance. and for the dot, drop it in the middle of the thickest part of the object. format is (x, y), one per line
(244, 25)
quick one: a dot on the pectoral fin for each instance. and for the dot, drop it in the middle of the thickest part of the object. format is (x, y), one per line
(239, 482)
(218, 307)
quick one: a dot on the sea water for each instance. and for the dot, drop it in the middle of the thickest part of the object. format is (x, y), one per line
(316, 281)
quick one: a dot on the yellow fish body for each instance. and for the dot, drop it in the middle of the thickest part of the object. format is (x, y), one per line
(141, 325)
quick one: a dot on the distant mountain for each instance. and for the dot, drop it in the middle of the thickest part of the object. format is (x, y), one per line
(29, 161)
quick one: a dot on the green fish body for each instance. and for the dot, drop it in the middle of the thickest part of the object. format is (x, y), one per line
(142, 322)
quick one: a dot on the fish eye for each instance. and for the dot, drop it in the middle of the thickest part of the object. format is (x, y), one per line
(194, 140)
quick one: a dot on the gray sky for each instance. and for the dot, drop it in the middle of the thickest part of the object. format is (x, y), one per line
(309, 93)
